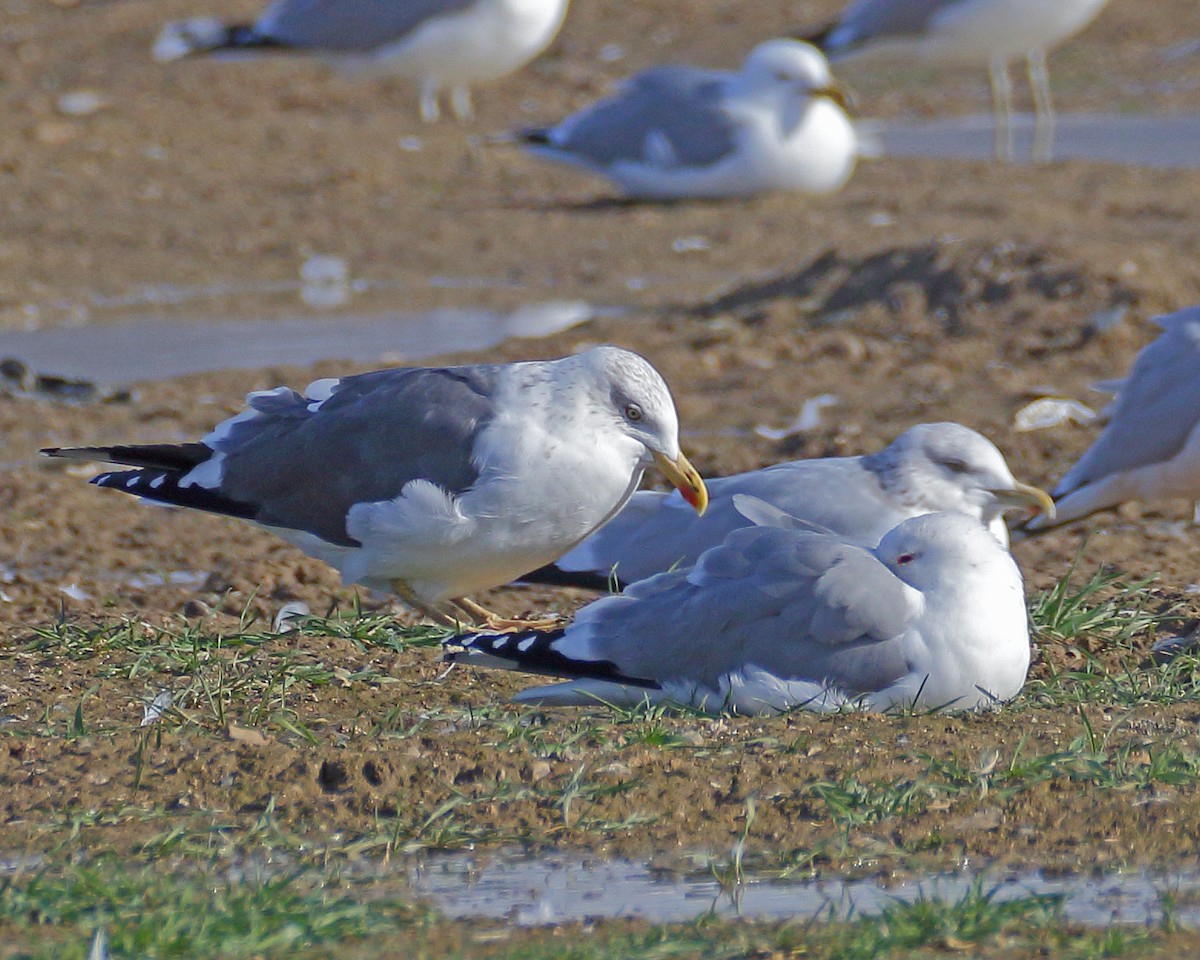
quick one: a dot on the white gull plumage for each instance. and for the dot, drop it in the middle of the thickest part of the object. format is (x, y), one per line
(779, 617)
(437, 43)
(433, 482)
(992, 31)
(676, 131)
(1150, 449)
(929, 468)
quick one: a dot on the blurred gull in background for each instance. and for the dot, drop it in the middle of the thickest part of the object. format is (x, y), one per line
(437, 43)
(678, 131)
(997, 31)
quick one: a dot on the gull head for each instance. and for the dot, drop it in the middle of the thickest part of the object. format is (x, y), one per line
(790, 68)
(945, 550)
(946, 466)
(638, 404)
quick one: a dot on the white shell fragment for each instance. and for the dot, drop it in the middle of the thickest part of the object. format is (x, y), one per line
(152, 712)
(1051, 412)
(808, 419)
(289, 616)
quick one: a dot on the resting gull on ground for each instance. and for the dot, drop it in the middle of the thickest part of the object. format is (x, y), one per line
(1150, 449)
(930, 467)
(779, 617)
(437, 43)
(677, 131)
(432, 482)
(995, 31)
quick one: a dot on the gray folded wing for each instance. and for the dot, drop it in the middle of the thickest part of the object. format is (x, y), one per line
(679, 104)
(1156, 410)
(349, 26)
(870, 20)
(801, 606)
(303, 463)
(657, 532)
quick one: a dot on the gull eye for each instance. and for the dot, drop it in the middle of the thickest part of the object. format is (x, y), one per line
(905, 558)
(783, 77)
(633, 413)
(956, 466)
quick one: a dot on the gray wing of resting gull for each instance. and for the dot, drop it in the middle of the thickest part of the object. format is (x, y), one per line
(777, 617)
(930, 467)
(677, 107)
(431, 482)
(870, 20)
(350, 25)
(1150, 449)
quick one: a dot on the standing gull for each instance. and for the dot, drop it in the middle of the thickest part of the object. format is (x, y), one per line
(778, 617)
(676, 131)
(930, 467)
(995, 31)
(437, 43)
(1150, 449)
(433, 482)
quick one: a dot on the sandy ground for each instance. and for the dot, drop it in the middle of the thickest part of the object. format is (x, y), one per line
(924, 291)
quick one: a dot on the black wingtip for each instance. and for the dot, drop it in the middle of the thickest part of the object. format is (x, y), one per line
(554, 576)
(162, 486)
(536, 136)
(535, 651)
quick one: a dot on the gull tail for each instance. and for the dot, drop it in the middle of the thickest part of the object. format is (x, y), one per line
(818, 38)
(186, 38)
(161, 467)
(535, 651)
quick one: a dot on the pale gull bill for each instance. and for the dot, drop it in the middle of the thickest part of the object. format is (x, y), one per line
(1150, 448)
(676, 131)
(438, 44)
(929, 468)
(780, 617)
(431, 482)
(991, 31)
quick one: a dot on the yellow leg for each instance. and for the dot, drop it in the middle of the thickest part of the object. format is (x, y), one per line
(492, 621)
(405, 593)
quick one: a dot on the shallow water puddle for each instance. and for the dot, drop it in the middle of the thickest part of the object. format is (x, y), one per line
(563, 888)
(1142, 141)
(157, 348)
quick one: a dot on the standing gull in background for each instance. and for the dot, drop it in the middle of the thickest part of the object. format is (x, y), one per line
(431, 482)
(929, 468)
(437, 43)
(778, 617)
(676, 131)
(995, 31)
(1150, 449)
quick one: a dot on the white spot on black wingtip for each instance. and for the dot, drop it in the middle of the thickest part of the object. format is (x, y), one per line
(158, 481)
(525, 644)
(133, 481)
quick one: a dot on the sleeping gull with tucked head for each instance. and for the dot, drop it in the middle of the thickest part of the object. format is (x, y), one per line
(995, 31)
(779, 617)
(431, 482)
(929, 468)
(437, 43)
(676, 131)
(1150, 449)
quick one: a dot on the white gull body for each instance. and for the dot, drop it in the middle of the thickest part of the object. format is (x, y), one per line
(931, 467)
(675, 132)
(777, 618)
(439, 44)
(431, 482)
(994, 32)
